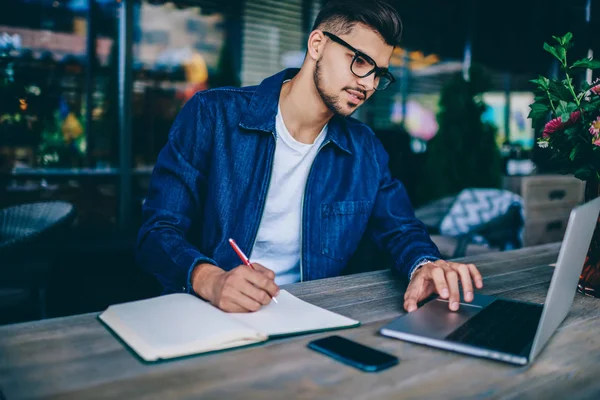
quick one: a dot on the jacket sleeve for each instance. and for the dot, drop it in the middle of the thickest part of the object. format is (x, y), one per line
(175, 197)
(393, 225)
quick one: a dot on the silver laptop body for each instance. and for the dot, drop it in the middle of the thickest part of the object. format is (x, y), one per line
(529, 325)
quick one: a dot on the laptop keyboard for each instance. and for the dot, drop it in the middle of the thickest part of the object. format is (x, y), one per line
(505, 326)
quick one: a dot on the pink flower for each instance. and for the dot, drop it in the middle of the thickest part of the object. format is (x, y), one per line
(596, 90)
(595, 127)
(575, 116)
(597, 142)
(552, 126)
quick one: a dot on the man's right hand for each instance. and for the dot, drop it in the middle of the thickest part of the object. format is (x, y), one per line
(240, 290)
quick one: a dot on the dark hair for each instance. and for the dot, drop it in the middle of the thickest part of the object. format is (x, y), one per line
(340, 17)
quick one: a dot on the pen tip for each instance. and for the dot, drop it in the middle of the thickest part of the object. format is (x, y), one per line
(275, 300)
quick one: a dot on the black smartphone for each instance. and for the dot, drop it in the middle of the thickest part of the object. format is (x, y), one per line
(353, 353)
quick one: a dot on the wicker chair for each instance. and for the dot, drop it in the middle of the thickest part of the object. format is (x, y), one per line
(31, 236)
(501, 232)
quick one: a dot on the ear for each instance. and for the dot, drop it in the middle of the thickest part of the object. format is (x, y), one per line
(316, 43)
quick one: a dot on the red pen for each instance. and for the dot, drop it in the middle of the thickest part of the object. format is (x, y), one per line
(243, 257)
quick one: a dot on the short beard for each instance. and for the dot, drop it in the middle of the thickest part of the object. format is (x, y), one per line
(330, 101)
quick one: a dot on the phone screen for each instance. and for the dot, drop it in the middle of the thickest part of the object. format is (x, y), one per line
(354, 353)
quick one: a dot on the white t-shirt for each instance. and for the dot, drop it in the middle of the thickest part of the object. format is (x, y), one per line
(278, 241)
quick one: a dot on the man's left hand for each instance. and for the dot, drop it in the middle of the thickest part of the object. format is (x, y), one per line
(442, 277)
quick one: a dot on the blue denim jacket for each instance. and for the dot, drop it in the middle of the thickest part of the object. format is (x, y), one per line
(211, 180)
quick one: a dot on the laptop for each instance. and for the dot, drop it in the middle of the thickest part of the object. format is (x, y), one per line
(501, 329)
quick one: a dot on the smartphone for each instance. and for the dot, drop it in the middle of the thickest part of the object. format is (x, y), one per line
(353, 353)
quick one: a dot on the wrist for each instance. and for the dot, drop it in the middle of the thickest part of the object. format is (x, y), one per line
(201, 279)
(418, 266)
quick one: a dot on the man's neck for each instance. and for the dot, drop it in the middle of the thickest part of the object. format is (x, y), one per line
(302, 108)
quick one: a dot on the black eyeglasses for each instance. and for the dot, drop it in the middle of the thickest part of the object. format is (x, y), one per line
(362, 65)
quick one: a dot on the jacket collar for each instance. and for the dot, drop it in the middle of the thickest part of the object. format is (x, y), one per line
(262, 111)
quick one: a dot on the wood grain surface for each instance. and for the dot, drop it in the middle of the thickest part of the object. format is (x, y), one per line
(77, 358)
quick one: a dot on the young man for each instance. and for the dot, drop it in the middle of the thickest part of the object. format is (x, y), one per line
(282, 169)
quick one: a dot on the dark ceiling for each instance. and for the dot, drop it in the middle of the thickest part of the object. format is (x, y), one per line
(507, 35)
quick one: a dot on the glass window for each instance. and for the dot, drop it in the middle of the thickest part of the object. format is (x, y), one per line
(43, 65)
(46, 125)
(177, 52)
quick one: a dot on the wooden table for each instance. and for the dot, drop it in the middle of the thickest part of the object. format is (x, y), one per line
(77, 358)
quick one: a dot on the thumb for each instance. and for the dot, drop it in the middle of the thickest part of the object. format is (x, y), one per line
(418, 290)
(411, 297)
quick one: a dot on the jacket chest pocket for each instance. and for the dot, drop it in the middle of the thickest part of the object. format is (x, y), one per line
(342, 226)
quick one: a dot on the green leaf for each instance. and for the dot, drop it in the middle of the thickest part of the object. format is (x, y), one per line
(586, 63)
(559, 91)
(539, 108)
(541, 82)
(565, 40)
(592, 106)
(573, 154)
(538, 111)
(552, 50)
(564, 110)
(542, 99)
(583, 173)
(562, 53)
(577, 152)
(573, 131)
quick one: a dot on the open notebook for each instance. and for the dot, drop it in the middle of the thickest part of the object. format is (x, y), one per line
(180, 324)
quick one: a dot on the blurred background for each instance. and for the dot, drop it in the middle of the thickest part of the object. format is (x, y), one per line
(90, 88)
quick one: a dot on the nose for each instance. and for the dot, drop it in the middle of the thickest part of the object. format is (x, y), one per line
(367, 83)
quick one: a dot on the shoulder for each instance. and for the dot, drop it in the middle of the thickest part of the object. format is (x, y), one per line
(224, 94)
(218, 104)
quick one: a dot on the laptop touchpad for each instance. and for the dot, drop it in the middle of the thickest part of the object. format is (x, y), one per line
(435, 319)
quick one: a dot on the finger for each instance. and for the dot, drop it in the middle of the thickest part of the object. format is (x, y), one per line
(254, 293)
(261, 281)
(231, 307)
(439, 279)
(452, 279)
(411, 297)
(261, 268)
(465, 278)
(476, 275)
(240, 299)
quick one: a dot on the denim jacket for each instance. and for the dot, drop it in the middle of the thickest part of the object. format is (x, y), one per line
(211, 179)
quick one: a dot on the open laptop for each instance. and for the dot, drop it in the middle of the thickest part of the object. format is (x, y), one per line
(501, 329)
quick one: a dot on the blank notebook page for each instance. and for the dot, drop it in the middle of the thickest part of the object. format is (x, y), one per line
(175, 324)
(292, 315)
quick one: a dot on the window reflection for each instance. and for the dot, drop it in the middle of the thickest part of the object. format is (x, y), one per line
(177, 52)
(45, 121)
(43, 62)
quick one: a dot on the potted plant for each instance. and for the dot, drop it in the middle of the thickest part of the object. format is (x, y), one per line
(572, 136)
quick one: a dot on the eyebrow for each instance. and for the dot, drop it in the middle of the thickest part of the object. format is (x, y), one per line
(387, 67)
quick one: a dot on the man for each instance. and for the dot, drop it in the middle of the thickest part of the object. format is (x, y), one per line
(282, 169)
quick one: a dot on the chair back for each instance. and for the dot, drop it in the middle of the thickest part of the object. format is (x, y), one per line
(30, 236)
